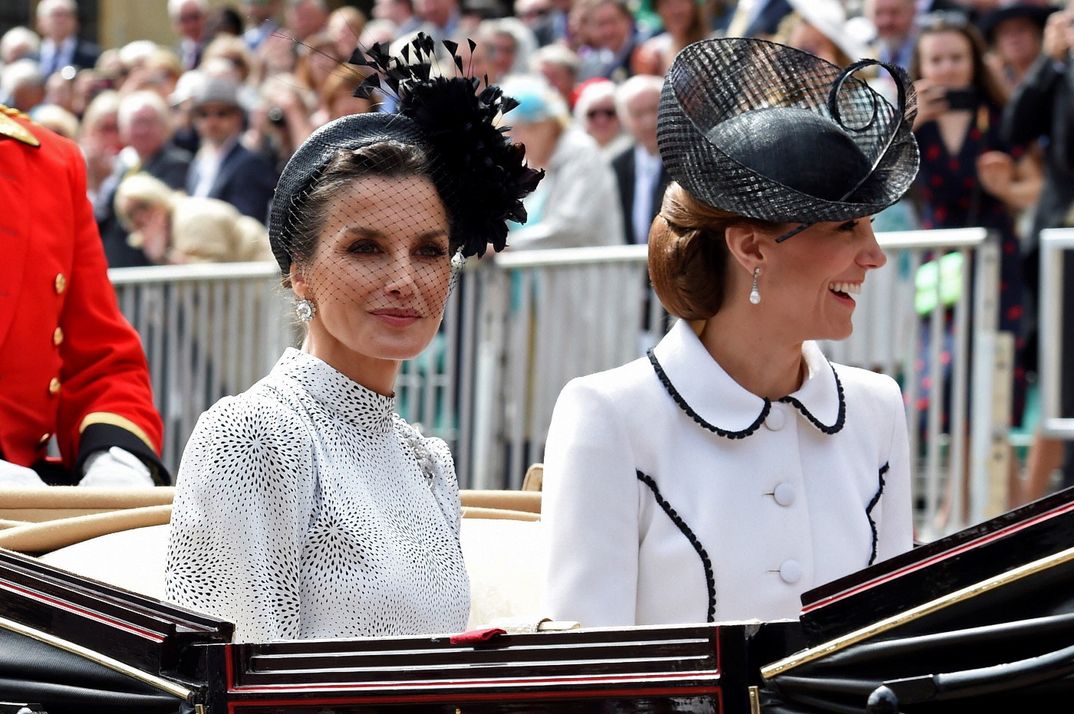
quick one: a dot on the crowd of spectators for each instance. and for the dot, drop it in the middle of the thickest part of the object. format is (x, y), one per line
(215, 115)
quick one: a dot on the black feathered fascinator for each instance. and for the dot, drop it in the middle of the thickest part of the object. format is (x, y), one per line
(481, 176)
(773, 133)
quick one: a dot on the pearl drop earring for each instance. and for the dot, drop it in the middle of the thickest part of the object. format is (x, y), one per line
(755, 292)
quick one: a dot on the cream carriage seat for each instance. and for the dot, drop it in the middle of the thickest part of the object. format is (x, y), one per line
(121, 538)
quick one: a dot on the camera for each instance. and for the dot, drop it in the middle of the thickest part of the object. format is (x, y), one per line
(961, 99)
(276, 117)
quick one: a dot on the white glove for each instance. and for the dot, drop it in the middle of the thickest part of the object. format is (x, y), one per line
(15, 476)
(115, 468)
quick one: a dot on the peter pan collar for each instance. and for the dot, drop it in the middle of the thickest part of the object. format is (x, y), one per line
(336, 392)
(708, 395)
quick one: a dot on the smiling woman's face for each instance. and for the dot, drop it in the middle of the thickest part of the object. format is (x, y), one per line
(380, 274)
(811, 279)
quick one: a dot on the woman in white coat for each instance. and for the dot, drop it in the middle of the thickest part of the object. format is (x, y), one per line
(733, 468)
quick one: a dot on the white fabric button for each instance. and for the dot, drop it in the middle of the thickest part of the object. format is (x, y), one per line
(775, 419)
(790, 571)
(784, 494)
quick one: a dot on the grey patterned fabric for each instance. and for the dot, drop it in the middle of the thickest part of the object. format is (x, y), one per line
(306, 508)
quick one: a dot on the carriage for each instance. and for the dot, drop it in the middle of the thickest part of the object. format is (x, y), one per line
(981, 619)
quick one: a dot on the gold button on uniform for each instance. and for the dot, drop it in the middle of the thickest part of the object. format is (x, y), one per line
(61, 283)
(57, 336)
(54, 386)
(44, 439)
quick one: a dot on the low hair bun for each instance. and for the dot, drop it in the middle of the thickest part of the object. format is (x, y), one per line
(688, 255)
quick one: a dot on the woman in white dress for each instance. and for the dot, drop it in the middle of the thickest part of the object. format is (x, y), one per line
(305, 507)
(733, 468)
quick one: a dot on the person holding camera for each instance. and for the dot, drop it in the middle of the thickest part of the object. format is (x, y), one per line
(969, 175)
(1043, 108)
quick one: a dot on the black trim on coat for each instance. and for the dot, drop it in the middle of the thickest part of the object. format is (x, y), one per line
(840, 420)
(869, 510)
(710, 579)
(841, 417)
(662, 376)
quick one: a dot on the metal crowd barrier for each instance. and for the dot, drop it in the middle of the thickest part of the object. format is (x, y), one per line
(519, 327)
(209, 330)
(1057, 331)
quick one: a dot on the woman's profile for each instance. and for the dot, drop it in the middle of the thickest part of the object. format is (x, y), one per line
(305, 507)
(733, 468)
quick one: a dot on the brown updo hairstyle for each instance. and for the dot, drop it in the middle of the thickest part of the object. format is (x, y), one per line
(688, 254)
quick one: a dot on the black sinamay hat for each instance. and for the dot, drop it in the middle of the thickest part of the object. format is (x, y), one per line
(774, 133)
(480, 175)
(305, 166)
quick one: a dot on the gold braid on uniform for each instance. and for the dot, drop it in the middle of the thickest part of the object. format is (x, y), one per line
(14, 130)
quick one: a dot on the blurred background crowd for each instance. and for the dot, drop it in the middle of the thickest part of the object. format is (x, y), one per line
(184, 137)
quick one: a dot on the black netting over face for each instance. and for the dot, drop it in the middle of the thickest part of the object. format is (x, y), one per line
(480, 175)
(374, 213)
(366, 241)
(777, 134)
(295, 221)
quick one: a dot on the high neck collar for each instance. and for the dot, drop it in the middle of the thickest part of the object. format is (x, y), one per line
(336, 392)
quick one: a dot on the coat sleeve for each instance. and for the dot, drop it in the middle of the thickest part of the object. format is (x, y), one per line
(590, 512)
(243, 501)
(1028, 115)
(106, 398)
(895, 534)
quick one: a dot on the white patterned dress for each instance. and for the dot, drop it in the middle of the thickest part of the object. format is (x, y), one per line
(305, 508)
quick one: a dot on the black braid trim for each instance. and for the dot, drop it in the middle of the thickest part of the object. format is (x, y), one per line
(871, 506)
(697, 417)
(710, 580)
(840, 420)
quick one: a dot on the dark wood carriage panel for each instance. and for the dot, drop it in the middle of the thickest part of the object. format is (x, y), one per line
(697, 704)
(136, 630)
(700, 668)
(1036, 530)
(675, 650)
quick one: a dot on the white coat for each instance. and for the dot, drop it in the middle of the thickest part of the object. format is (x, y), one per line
(684, 498)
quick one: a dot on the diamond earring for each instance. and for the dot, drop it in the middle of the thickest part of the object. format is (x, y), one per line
(305, 309)
(755, 292)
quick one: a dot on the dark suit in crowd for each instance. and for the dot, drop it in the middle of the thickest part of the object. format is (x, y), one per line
(83, 56)
(625, 174)
(764, 23)
(246, 180)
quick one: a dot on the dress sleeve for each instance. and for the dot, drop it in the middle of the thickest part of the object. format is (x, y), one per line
(444, 483)
(242, 505)
(590, 512)
(896, 530)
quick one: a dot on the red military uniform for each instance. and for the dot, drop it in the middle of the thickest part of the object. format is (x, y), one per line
(70, 363)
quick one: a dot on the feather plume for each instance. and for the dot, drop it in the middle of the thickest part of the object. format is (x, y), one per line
(459, 124)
